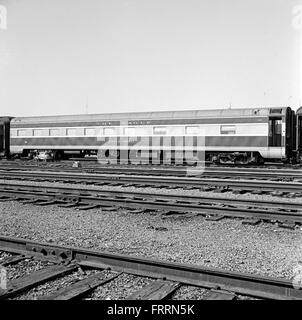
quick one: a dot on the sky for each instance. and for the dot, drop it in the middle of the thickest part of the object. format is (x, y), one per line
(102, 56)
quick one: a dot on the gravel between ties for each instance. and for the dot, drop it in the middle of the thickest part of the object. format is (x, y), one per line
(227, 244)
(177, 191)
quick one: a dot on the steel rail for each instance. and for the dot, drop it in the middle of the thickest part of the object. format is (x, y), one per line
(196, 182)
(207, 172)
(171, 197)
(211, 278)
(174, 203)
(137, 164)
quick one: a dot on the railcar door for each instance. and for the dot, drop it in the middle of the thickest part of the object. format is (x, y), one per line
(290, 132)
(275, 132)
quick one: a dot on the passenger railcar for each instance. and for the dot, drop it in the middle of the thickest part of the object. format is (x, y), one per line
(245, 135)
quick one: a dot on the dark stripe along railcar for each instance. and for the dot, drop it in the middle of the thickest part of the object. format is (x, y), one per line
(245, 135)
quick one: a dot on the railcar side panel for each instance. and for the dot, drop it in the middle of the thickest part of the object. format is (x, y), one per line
(263, 131)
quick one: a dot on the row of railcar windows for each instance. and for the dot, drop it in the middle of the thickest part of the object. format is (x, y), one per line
(162, 130)
(107, 131)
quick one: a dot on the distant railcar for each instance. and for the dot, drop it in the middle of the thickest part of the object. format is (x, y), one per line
(5, 136)
(179, 137)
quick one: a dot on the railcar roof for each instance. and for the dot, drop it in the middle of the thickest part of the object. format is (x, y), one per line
(214, 113)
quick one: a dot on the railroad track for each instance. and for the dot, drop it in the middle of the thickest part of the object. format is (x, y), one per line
(160, 280)
(213, 172)
(168, 205)
(93, 162)
(291, 189)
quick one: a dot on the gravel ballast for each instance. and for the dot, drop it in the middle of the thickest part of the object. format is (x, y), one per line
(25, 267)
(178, 191)
(51, 287)
(227, 244)
(120, 288)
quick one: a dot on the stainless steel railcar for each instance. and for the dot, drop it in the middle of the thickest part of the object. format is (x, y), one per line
(245, 135)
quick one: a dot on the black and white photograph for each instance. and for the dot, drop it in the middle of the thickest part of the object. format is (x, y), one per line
(151, 153)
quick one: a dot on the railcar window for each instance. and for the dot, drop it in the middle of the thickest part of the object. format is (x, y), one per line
(160, 130)
(278, 125)
(175, 131)
(129, 131)
(275, 132)
(54, 132)
(227, 129)
(137, 131)
(41, 132)
(90, 132)
(275, 127)
(110, 131)
(74, 132)
(192, 130)
(25, 133)
(143, 131)
(13, 133)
